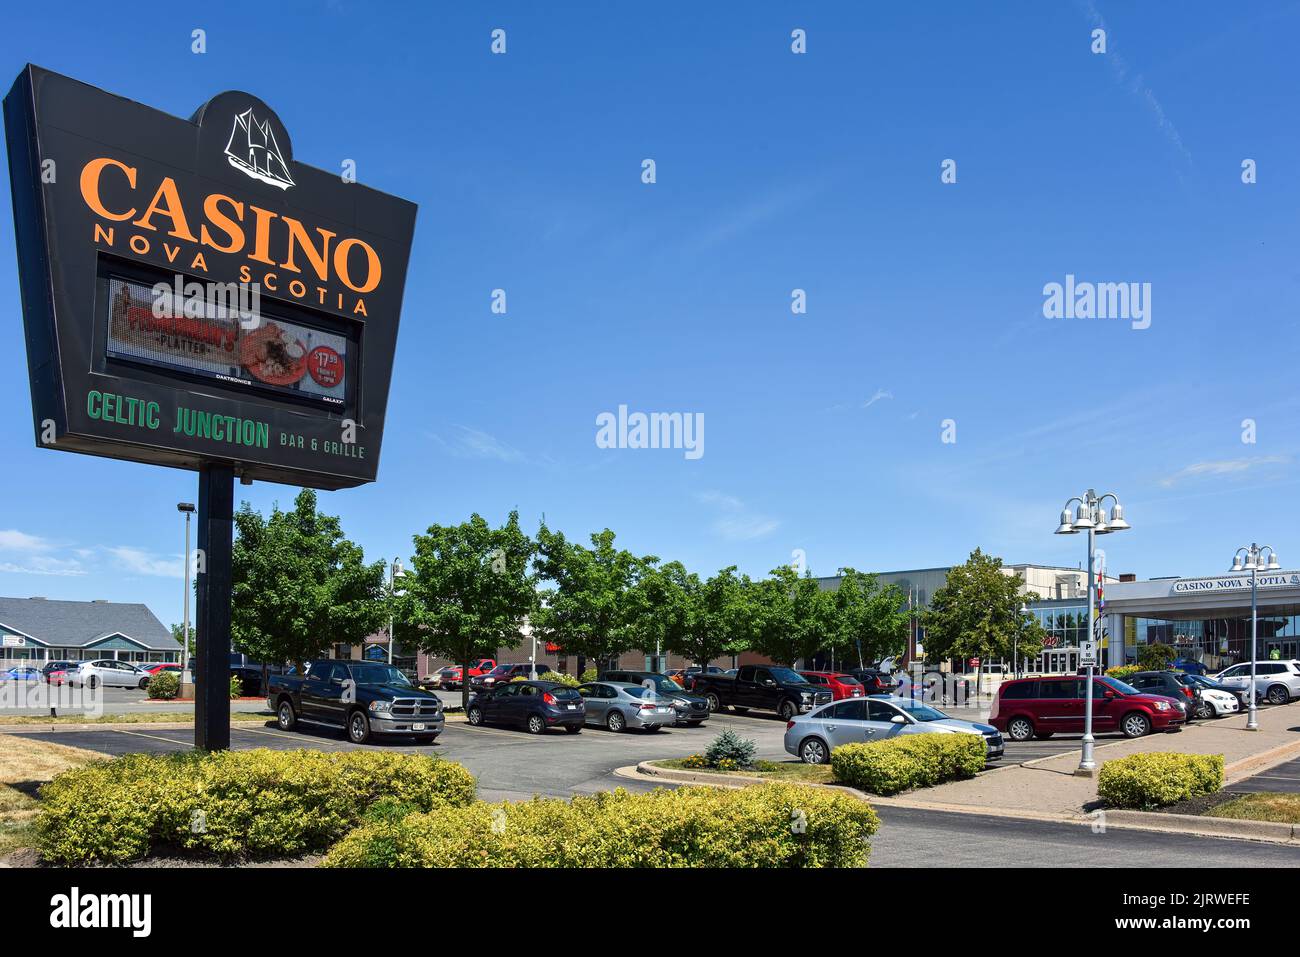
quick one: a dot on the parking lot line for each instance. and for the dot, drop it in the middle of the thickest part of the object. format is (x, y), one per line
(156, 737)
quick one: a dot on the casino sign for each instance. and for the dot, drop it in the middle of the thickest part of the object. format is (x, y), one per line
(194, 296)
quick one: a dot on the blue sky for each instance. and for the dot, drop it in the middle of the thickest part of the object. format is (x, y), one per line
(775, 171)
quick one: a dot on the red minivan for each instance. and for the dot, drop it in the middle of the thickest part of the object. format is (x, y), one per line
(1040, 707)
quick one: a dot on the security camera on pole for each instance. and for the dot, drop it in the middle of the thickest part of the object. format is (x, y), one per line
(1254, 561)
(1090, 516)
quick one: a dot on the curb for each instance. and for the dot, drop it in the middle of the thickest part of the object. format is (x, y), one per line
(1265, 831)
(1248, 767)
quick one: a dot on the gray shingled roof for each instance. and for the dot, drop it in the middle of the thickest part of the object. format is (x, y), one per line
(74, 624)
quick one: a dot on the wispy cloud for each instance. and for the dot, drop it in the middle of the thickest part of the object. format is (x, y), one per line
(1221, 467)
(139, 562)
(880, 394)
(1137, 86)
(27, 554)
(736, 523)
(467, 443)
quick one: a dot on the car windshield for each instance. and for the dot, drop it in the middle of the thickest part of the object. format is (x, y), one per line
(786, 676)
(847, 680)
(1119, 686)
(377, 675)
(923, 712)
(499, 670)
(637, 692)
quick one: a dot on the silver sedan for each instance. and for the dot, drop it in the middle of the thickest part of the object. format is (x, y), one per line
(857, 720)
(619, 705)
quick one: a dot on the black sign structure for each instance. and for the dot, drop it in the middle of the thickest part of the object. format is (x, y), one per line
(196, 298)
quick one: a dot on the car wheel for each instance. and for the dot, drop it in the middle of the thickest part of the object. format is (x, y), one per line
(787, 710)
(535, 725)
(1043, 735)
(615, 721)
(1020, 729)
(474, 716)
(1278, 694)
(144, 684)
(286, 717)
(715, 703)
(814, 751)
(573, 728)
(358, 727)
(1205, 710)
(1135, 725)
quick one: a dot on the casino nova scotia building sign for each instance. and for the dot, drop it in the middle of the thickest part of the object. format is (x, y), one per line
(194, 295)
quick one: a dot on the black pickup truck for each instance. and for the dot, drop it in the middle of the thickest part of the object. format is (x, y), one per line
(763, 688)
(364, 698)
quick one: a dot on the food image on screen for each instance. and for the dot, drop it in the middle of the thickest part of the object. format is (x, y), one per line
(224, 340)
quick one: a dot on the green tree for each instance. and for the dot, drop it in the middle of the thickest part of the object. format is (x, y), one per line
(469, 591)
(719, 620)
(1156, 657)
(595, 608)
(178, 632)
(300, 586)
(975, 614)
(795, 617)
(871, 619)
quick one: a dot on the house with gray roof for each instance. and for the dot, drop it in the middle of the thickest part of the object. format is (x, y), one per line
(40, 629)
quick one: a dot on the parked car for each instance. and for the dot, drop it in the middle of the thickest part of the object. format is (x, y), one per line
(1188, 666)
(453, 676)
(764, 688)
(364, 698)
(875, 681)
(692, 709)
(1167, 683)
(1209, 684)
(535, 705)
(109, 673)
(1041, 707)
(504, 674)
(619, 705)
(1210, 702)
(841, 685)
(162, 666)
(1277, 682)
(22, 673)
(686, 676)
(858, 720)
(50, 667)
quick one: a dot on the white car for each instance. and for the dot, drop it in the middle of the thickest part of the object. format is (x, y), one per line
(1217, 704)
(1277, 682)
(109, 674)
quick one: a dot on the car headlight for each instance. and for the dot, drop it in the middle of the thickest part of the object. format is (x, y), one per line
(807, 696)
(1162, 705)
(381, 706)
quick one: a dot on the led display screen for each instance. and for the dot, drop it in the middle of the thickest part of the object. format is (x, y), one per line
(221, 332)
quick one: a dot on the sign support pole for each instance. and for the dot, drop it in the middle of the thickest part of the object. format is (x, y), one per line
(212, 676)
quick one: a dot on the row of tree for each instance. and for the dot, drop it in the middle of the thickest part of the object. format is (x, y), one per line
(301, 586)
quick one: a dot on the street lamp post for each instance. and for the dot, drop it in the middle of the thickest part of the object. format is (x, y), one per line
(394, 572)
(1254, 560)
(1015, 647)
(188, 509)
(1090, 516)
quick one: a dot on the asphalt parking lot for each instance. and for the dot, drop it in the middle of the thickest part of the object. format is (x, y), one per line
(110, 700)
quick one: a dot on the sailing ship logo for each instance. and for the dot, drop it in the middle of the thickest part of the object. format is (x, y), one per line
(254, 151)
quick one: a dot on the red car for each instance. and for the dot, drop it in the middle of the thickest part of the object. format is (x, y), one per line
(452, 676)
(1041, 707)
(840, 685)
(163, 666)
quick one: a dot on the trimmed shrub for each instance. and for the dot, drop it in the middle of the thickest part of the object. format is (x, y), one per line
(770, 825)
(908, 761)
(591, 674)
(559, 677)
(1123, 672)
(236, 687)
(232, 803)
(1156, 779)
(731, 748)
(164, 686)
